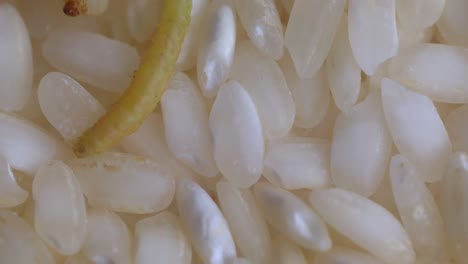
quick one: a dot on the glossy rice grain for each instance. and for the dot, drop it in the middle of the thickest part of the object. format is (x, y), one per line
(435, 70)
(20, 243)
(143, 17)
(25, 145)
(237, 135)
(419, 14)
(160, 240)
(372, 32)
(107, 238)
(68, 107)
(286, 252)
(452, 22)
(360, 148)
(206, 226)
(416, 129)
(298, 163)
(92, 58)
(186, 123)
(16, 65)
(216, 47)
(418, 210)
(11, 194)
(60, 211)
(266, 84)
(292, 217)
(376, 230)
(320, 19)
(248, 226)
(261, 21)
(124, 183)
(454, 206)
(343, 72)
(311, 95)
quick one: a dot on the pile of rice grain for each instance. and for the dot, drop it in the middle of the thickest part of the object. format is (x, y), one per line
(292, 132)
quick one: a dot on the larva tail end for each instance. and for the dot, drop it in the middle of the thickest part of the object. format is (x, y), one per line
(81, 150)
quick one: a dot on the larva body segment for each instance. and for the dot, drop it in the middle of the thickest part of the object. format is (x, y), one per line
(146, 88)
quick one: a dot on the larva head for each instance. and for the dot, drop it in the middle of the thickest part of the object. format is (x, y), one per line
(75, 7)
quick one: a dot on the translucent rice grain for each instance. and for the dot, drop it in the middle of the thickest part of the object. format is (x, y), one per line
(366, 223)
(419, 14)
(124, 183)
(60, 211)
(92, 58)
(150, 141)
(416, 129)
(245, 220)
(457, 128)
(11, 194)
(409, 37)
(345, 256)
(266, 84)
(116, 18)
(298, 163)
(372, 32)
(186, 124)
(292, 217)
(107, 238)
(320, 19)
(452, 23)
(188, 53)
(237, 135)
(324, 129)
(20, 244)
(96, 7)
(205, 225)
(216, 47)
(285, 252)
(16, 66)
(360, 148)
(143, 18)
(454, 206)
(343, 73)
(435, 70)
(262, 23)
(418, 210)
(67, 105)
(85, 23)
(311, 95)
(24, 145)
(160, 240)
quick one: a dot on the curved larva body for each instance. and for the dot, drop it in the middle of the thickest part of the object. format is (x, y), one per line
(146, 89)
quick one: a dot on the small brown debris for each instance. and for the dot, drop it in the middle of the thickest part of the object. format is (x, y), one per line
(75, 8)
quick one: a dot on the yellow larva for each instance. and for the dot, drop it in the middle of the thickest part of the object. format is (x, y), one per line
(146, 89)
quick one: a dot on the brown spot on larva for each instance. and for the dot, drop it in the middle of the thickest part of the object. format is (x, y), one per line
(75, 8)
